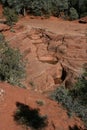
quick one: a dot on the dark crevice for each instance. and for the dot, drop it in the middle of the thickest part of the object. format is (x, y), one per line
(64, 74)
(82, 22)
(2, 77)
(75, 127)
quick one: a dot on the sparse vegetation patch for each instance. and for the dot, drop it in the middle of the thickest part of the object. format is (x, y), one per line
(11, 63)
(58, 8)
(11, 16)
(75, 100)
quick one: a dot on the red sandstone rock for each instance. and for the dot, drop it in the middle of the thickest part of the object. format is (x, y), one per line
(4, 27)
(48, 59)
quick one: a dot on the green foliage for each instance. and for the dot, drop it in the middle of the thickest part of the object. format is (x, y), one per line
(47, 7)
(83, 8)
(11, 64)
(3, 44)
(1, 37)
(11, 16)
(73, 14)
(61, 95)
(80, 91)
(75, 100)
(37, 7)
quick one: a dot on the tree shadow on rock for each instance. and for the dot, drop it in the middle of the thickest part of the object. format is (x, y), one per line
(29, 117)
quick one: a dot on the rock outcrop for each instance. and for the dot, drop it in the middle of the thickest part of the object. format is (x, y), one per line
(52, 58)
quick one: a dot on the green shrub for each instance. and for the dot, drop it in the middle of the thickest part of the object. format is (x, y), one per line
(48, 7)
(11, 16)
(73, 14)
(11, 64)
(11, 67)
(61, 95)
(1, 37)
(75, 100)
(3, 43)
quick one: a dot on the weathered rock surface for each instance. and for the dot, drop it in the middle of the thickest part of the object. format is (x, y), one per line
(4, 27)
(53, 58)
(48, 59)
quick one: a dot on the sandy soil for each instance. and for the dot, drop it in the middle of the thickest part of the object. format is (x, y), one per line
(56, 116)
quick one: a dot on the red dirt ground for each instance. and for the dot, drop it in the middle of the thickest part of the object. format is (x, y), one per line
(57, 117)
